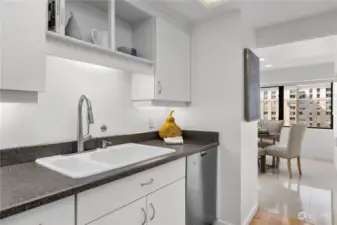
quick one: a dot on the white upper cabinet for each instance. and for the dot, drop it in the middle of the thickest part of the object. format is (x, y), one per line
(61, 212)
(22, 45)
(172, 69)
(172, 75)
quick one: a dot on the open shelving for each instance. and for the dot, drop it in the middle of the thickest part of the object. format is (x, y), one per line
(119, 23)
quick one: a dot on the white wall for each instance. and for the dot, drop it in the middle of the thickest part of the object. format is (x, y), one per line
(307, 28)
(317, 143)
(54, 117)
(297, 74)
(217, 83)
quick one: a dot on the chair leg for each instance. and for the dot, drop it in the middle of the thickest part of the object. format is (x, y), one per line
(263, 164)
(273, 163)
(299, 165)
(277, 162)
(289, 169)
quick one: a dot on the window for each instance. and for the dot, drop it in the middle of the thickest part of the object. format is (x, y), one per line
(310, 103)
(269, 103)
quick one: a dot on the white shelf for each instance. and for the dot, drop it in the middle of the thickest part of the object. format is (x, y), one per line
(75, 41)
(131, 57)
(71, 48)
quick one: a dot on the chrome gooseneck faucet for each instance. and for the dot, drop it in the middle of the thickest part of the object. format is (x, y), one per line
(81, 138)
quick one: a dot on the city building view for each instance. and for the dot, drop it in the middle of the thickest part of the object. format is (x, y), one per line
(310, 104)
(269, 103)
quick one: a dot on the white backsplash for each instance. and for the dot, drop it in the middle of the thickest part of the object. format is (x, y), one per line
(54, 117)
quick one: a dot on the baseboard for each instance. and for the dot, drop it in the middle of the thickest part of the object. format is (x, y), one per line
(247, 221)
(251, 215)
(220, 222)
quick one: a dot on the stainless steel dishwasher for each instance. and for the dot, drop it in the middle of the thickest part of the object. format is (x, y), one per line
(201, 187)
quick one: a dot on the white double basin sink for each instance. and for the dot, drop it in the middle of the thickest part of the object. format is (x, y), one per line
(102, 160)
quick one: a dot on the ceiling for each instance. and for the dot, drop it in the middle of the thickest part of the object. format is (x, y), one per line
(258, 13)
(301, 53)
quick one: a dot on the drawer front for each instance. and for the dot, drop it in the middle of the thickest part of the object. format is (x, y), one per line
(104, 199)
(164, 175)
(56, 213)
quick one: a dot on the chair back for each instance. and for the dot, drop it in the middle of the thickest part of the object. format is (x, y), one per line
(295, 139)
(273, 127)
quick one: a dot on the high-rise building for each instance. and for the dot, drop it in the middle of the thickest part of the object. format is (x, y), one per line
(269, 103)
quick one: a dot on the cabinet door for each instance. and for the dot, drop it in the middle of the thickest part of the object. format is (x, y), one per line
(61, 212)
(167, 205)
(23, 54)
(172, 72)
(132, 214)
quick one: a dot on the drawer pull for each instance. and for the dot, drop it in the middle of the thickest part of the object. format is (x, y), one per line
(147, 183)
(144, 222)
(154, 211)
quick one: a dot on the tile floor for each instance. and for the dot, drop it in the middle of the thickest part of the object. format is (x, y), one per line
(314, 194)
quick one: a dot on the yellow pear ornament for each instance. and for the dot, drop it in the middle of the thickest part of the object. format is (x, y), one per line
(170, 128)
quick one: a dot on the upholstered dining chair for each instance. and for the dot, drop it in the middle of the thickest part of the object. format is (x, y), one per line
(273, 127)
(292, 149)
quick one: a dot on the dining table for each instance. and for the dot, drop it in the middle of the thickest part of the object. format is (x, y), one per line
(265, 135)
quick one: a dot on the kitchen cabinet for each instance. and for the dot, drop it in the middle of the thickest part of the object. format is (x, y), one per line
(172, 77)
(172, 70)
(105, 31)
(167, 205)
(56, 213)
(129, 196)
(22, 45)
(132, 214)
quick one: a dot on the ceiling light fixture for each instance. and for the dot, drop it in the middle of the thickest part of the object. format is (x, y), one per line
(269, 65)
(212, 3)
(262, 59)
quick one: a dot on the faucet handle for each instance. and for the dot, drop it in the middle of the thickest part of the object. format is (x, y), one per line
(105, 143)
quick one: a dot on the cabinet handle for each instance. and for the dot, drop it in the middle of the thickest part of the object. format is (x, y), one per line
(144, 222)
(154, 211)
(202, 154)
(148, 183)
(159, 87)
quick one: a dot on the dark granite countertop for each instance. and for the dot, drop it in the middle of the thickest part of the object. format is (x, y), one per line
(29, 185)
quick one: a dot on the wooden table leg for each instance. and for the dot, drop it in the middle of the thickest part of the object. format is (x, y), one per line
(263, 164)
(274, 158)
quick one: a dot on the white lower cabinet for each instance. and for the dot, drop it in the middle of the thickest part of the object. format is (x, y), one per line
(167, 205)
(132, 214)
(61, 212)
